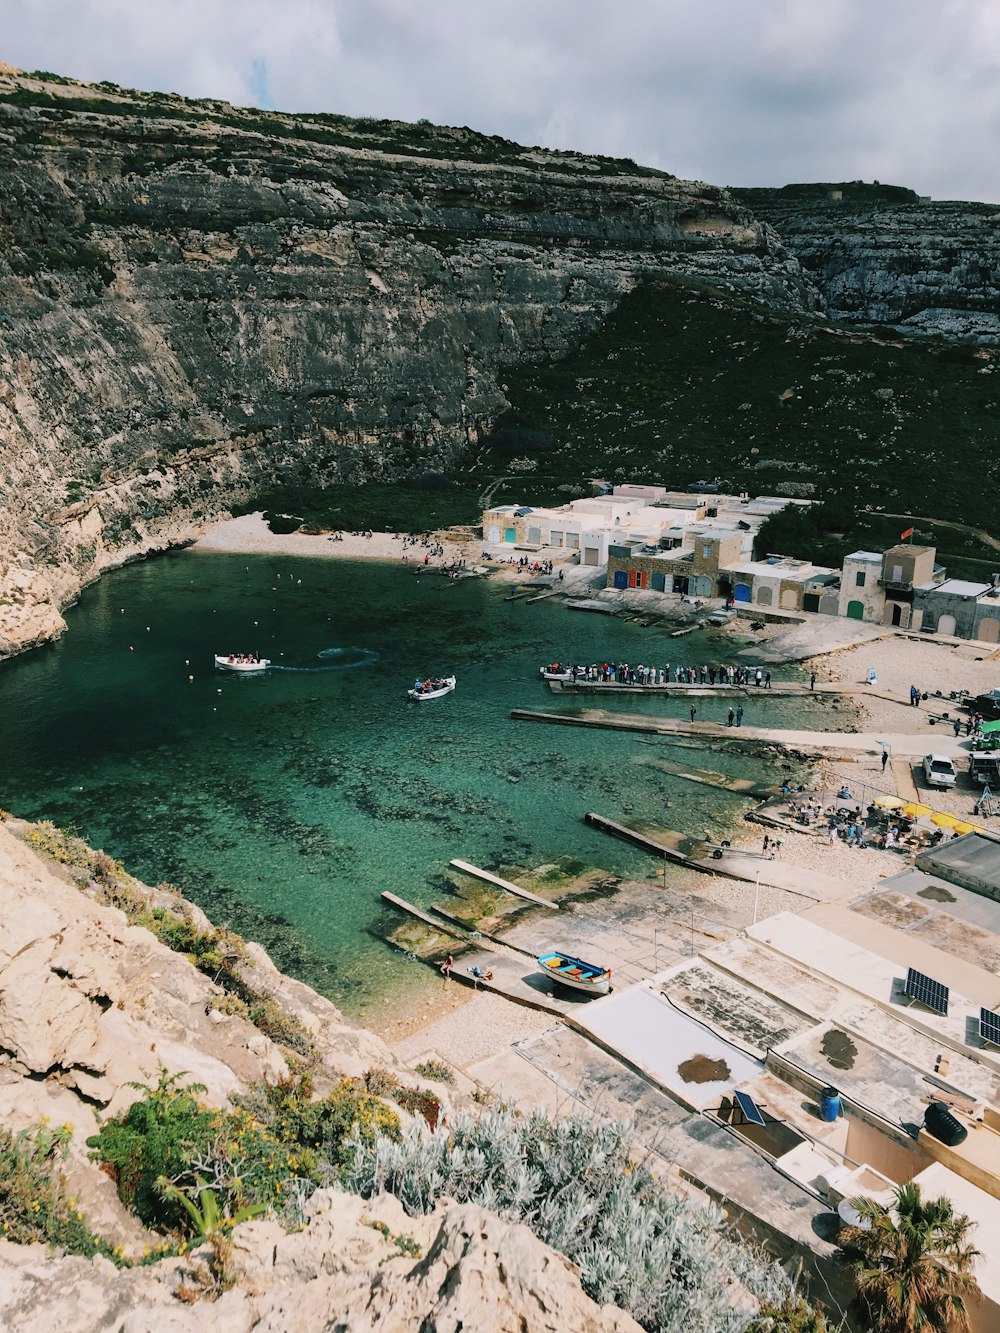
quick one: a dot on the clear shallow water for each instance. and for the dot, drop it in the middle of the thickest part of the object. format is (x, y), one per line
(284, 804)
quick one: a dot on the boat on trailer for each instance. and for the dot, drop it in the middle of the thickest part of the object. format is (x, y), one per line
(241, 663)
(575, 973)
(432, 689)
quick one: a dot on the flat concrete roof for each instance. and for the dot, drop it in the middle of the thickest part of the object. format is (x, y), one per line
(675, 1051)
(959, 902)
(867, 1074)
(972, 862)
(742, 1013)
(868, 557)
(922, 915)
(956, 588)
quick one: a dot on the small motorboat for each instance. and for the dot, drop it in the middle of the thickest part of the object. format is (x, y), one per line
(574, 972)
(556, 672)
(242, 662)
(432, 689)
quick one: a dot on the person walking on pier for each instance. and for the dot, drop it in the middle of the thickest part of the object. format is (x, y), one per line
(812, 680)
(729, 719)
(767, 680)
(739, 716)
(693, 712)
(914, 696)
(885, 759)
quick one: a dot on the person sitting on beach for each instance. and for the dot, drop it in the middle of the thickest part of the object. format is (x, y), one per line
(446, 966)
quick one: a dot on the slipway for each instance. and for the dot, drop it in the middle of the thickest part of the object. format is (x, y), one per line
(679, 1054)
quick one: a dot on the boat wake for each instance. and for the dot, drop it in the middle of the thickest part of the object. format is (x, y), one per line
(337, 659)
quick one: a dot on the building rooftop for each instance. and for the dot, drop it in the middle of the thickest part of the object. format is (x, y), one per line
(956, 588)
(936, 1180)
(869, 557)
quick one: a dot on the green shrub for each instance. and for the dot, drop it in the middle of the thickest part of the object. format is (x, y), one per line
(169, 1143)
(281, 1026)
(381, 1082)
(323, 1129)
(419, 1101)
(435, 1069)
(34, 1207)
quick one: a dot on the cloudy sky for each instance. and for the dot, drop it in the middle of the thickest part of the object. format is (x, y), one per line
(737, 92)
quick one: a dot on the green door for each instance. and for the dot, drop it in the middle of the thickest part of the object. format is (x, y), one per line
(855, 610)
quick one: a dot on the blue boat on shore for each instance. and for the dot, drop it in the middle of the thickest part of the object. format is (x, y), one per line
(575, 973)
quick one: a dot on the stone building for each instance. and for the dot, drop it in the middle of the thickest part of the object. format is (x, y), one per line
(955, 606)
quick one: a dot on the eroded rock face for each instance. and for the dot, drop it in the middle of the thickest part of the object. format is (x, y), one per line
(340, 1274)
(888, 257)
(197, 302)
(90, 1005)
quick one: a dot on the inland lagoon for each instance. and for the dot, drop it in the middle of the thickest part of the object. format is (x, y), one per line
(283, 804)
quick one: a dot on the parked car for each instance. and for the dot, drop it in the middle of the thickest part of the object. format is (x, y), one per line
(988, 704)
(984, 768)
(939, 771)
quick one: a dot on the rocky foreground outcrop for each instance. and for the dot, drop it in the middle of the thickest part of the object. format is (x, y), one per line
(199, 301)
(342, 1274)
(89, 1005)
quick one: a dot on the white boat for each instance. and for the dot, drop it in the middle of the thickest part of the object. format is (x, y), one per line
(239, 662)
(575, 973)
(432, 689)
(556, 672)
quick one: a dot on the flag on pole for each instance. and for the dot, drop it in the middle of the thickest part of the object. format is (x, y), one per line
(907, 533)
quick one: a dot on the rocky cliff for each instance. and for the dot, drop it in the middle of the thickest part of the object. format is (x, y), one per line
(198, 301)
(882, 255)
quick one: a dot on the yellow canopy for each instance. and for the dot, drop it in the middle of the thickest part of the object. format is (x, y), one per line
(962, 827)
(914, 809)
(888, 802)
(943, 820)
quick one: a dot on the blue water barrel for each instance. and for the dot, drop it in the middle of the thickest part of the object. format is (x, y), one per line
(829, 1103)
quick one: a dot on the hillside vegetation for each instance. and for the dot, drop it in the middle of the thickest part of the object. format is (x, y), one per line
(683, 383)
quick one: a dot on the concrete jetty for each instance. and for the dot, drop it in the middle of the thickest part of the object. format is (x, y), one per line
(731, 862)
(467, 869)
(854, 742)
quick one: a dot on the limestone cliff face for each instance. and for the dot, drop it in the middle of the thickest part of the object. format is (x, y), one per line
(880, 254)
(196, 301)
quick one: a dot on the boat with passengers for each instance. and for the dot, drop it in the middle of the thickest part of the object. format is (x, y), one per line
(246, 664)
(432, 689)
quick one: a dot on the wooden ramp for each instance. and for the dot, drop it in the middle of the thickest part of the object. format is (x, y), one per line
(499, 883)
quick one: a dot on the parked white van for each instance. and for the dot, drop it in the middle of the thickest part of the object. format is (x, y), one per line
(939, 771)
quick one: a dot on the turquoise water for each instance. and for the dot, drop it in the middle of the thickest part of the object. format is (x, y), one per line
(284, 804)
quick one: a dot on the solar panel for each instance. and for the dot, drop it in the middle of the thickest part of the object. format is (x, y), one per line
(989, 1026)
(926, 990)
(751, 1112)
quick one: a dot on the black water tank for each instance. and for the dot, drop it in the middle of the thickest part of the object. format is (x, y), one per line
(940, 1122)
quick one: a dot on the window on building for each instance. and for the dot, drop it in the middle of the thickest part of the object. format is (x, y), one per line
(859, 579)
(706, 552)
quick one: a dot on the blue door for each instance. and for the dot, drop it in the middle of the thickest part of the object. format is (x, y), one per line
(742, 592)
(659, 583)
(510, 535)
(621, 578)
